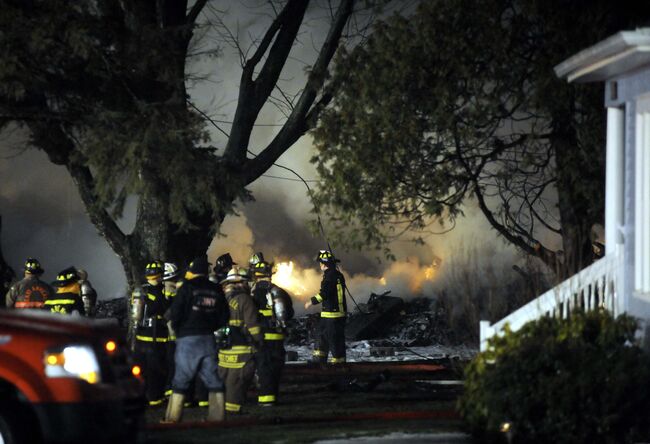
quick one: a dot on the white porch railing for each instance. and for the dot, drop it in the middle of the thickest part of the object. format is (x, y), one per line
(593, 287)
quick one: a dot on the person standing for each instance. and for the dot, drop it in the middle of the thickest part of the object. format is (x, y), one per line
(269, 359)
(170, 279)
(151, 334)
(88, 293)
(30, 292)
(67, 299)
(198, 310)
(236, 364)
(331, 336)
(222, 266)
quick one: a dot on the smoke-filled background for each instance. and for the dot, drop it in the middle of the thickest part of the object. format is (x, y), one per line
(43, 216)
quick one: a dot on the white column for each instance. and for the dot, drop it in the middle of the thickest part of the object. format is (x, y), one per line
(614, 179)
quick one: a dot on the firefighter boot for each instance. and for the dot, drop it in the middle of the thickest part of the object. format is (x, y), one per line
(216, 411)
(174, 408)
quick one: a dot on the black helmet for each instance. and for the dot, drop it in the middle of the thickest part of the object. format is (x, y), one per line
(326, 257)
(153, 268)
(33, 266)
(262, 269)
(66, 277)
(199, 265)
(256, 258)
(223, 263)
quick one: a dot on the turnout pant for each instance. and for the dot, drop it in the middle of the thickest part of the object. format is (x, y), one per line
(331, 339)
(152, 359)
(269, 361)
(237, 369)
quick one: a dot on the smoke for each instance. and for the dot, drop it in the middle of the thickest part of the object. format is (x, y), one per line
(45, 218)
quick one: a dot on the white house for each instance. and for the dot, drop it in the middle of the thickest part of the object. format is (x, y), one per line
(620, 281)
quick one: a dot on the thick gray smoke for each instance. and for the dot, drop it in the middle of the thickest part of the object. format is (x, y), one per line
(44, 217)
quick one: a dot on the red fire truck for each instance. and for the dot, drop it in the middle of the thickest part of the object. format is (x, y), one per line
(66, 379)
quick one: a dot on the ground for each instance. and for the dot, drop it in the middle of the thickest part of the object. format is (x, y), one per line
(409, 400)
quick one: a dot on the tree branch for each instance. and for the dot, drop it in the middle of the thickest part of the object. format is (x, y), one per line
(301, 119)
(195, 11)
(254, 93)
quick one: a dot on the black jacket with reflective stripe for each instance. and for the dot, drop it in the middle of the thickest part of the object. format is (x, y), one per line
(332, 292)
(153, 324)
(65, 303)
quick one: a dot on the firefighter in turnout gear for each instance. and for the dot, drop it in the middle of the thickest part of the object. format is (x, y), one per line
(331, 336)
(275, 309)
(29, 292)
(236, 363)
(198, 310)
(67, 299)
(171, 278)
(222, 266)
(88, 293)
(151, 333)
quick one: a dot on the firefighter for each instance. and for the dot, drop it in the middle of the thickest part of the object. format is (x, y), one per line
(151, 334)
(88, 293)
(275, 309)
(67, 299)
(30, 292)
(222, 266)
(236, 363)
(331, 335)
(198, 310)
(170, 279)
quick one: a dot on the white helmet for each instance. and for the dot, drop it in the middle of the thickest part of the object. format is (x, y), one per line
(171, 271)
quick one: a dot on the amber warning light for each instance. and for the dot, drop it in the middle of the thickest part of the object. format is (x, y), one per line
(110, 346)
(136, 370)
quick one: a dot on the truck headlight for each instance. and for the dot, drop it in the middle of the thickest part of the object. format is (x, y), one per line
(73, 361)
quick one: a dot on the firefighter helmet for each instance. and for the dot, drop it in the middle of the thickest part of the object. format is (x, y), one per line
(326, 257)
(223, 263)
(235, 275)
(66, 277)
(153, 268)
(33, 266)
(255, 259)
(262, 269)
(171, 271)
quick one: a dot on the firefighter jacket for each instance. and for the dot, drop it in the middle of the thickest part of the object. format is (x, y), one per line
(270, 327)
(152, 325)
(30, 292)
(245, 331)
(331, 294)
(66, 300)
(199, 307)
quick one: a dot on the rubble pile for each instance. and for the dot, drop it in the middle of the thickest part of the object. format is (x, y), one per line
(113, 308)
(385, 321)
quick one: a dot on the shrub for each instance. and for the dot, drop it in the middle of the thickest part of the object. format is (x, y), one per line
(580, 380)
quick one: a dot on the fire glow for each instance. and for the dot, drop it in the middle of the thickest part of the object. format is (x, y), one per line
(404, 278)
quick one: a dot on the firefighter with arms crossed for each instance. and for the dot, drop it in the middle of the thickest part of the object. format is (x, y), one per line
(198, 310)
(275, 309)
(331, 336)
